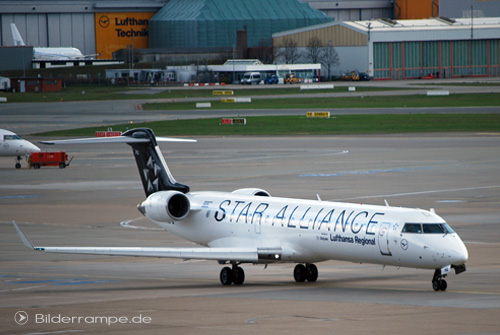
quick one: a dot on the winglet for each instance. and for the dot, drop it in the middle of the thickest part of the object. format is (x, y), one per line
(24, 238)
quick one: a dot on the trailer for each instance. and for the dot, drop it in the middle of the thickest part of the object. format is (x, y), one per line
(49, 158)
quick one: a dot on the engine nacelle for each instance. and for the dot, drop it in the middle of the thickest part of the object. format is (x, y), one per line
(252, 191)
(165, 206)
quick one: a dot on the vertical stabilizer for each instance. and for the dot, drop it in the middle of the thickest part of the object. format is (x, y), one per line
(153, 169)
(16, 36)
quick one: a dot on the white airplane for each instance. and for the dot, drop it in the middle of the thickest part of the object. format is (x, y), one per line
(49, 53)
(15, 146)
(250, 226)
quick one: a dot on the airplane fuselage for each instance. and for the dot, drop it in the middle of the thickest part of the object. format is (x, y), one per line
(13, 145)
(310, 231)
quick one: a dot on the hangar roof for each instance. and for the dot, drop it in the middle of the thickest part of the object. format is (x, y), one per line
(386, 30)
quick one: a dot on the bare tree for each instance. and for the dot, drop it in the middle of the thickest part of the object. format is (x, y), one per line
(288, 51)
(330, 59)
(314, 50)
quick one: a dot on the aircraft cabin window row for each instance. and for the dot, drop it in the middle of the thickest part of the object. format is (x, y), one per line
(427, 228)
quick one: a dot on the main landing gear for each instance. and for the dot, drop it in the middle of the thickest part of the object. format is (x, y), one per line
(234, 275)
(438, 283)
(308, 272)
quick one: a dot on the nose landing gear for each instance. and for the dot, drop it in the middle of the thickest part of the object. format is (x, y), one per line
(438, 283)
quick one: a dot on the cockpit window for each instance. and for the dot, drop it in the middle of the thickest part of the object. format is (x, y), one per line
(427, 228)
(11, 137)
(437, 228)
(415, 228)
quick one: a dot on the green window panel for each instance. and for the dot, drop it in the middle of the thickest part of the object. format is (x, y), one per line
(445, 53)
(494, 50)
(381, 56)
(430, 54)
(479, 53)
(413, 59)
(460, 53)
(397, 59)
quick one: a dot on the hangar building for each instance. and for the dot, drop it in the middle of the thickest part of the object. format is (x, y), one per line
(104, 26)
(94, 27)
(404, 49)
(213, 23)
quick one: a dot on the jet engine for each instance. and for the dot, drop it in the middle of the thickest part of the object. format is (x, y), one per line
(165, 206)
(252, 191)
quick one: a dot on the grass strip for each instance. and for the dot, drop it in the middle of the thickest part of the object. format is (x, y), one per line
(300, 125)
(414, 101)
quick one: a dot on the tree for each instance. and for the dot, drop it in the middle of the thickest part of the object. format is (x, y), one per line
(288, 51)
(314, 50)
(330, 59)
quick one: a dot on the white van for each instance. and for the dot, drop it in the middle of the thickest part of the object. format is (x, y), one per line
(251, 78)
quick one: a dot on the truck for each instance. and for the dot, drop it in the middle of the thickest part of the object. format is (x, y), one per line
(49, 158)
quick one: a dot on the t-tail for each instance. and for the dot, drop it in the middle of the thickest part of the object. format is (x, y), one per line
(153, 169)
(16, 36)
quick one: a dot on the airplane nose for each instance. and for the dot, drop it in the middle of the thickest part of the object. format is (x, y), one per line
(459, 253)
(34, 148)
(30, 147)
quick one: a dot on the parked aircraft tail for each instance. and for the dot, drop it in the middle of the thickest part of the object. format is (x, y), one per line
(16, 36)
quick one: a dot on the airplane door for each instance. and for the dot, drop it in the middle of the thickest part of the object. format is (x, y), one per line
(383, 239)
(257, 226)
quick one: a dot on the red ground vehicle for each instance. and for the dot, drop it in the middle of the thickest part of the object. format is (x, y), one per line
(49, 158)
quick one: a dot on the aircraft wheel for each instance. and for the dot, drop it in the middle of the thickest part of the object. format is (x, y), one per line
(435, 285)
(238, 276)
(311, 273)
(226, 276)
(300, 273)
(443, 285)
(18, 165)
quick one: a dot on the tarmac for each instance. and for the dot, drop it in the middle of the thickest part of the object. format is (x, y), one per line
(93, 203)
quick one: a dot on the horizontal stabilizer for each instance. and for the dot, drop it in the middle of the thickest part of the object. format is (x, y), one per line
(116, 139)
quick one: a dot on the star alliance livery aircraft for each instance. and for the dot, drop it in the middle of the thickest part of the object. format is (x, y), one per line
(250, 226)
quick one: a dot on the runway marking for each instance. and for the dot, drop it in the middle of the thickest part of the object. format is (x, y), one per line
(126, 224)
(364, 172)
(421, 192)
(58, 282)
(29, 196)
(26, 288)
(57, 332)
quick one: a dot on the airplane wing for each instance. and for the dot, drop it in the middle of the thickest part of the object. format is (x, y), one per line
(244, 255)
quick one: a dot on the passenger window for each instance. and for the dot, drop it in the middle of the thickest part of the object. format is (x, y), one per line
(414, 228)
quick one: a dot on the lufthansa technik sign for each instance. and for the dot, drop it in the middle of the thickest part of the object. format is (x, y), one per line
(115, 31)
